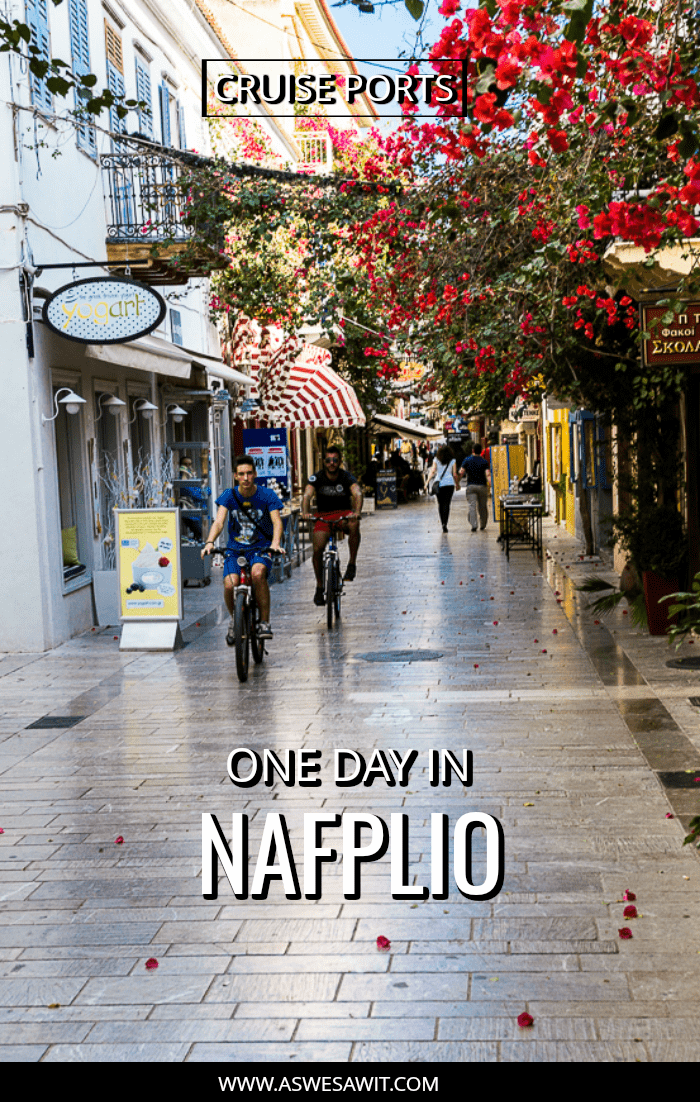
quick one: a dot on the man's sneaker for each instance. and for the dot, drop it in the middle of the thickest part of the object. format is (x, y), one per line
(231, 633)
(264, 630)
(319, 599)
(350, 572)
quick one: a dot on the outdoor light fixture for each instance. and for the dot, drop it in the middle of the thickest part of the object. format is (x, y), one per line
(142, 405)
(176, 412)
(72, 402)
(112, 404)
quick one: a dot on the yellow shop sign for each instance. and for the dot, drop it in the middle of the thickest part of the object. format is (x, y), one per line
(104, 311)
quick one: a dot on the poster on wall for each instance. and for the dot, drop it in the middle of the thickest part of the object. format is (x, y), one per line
(268, 450)
(148, 564)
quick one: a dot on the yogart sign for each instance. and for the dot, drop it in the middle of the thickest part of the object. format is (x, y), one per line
(104, 311)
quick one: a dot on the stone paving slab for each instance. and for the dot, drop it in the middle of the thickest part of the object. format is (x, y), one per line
(580, 752)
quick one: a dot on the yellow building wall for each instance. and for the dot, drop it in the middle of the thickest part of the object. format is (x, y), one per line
(558, 464)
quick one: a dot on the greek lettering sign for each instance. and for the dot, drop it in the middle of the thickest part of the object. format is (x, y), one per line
(104, 311)
(674, 342)
(148, 562)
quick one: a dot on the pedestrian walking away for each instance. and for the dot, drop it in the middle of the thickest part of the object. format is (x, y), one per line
(255, 530)
(445, 476)
(338, 495)
(478, 474)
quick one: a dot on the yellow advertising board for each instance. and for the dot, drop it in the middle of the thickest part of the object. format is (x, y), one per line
(148, 564)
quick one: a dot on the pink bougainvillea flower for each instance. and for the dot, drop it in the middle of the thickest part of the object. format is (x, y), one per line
(544, 651)
(630, 912)
(525, 1020)
(151, 963)
(625, 933)
(669, 815)
(1, 831)
(495, 623)
(119, 841)
(383, 942)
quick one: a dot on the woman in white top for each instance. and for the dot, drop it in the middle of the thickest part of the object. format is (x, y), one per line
(444, 472)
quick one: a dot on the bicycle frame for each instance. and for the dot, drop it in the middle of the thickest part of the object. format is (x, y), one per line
(332, 575)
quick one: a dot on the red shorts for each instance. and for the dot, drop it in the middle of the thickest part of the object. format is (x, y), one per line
(337, 514)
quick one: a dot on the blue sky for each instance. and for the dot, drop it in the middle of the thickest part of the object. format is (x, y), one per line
(385, 34)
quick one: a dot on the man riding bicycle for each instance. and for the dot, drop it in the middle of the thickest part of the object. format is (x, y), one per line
(254, 530)
(338, 495)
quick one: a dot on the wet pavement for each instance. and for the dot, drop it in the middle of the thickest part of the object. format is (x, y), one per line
(583, 739)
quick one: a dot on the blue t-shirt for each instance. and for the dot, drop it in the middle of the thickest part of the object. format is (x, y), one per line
(475, 468)
(242, 532)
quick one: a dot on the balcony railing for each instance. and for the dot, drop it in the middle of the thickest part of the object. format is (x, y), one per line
(143, 194)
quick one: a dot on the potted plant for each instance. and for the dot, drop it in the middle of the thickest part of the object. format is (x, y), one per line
(655, 541)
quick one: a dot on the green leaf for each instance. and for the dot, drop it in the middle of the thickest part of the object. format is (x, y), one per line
(667, 126)
(415, 8)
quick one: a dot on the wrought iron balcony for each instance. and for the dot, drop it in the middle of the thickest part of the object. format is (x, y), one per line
(145, 204)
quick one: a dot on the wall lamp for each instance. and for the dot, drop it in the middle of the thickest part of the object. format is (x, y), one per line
(114, 405)
(177, 413)
(72, 402)
(142, 405)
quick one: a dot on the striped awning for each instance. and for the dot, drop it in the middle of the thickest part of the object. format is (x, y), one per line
(303, 391)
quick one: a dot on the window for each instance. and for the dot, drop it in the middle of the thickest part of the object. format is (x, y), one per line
(69, 471)
(115, 75)
(80, 59)
(176, 326)
(172, 118)
(37, 17)
(143, 94)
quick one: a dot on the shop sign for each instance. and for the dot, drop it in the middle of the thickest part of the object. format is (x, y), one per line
(148, 564)
(104, 311)
(674, 342)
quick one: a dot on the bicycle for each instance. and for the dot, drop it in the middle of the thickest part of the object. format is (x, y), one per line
(246, 617)
(332, 574)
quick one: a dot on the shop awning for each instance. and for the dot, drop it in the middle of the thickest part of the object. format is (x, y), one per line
(382, 422)
(308, 393)
(162, 357)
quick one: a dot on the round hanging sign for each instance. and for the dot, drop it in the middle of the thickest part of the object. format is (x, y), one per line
(104, 310)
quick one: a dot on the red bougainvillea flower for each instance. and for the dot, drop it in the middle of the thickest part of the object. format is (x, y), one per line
(383, 943)
(625, 933)
(628, 896)
(1, 831)
(630, 912)
(476, 665)
(119, 841)
(669, 815)
(525, 1020)
(151, 963)
(495, 623)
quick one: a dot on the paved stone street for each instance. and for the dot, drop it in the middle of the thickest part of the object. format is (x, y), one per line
(583, 741)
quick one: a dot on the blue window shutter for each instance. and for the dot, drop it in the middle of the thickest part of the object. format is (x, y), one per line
(143, 93)
(80, 58)
(37, 17)
(164, 96)
(115, 83)
(181, 125)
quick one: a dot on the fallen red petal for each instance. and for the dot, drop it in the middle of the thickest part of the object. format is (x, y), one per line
(383, 942)
(153, 963)
(628, 896)
(669, 815)
(625, 933)
(630, 912)
(119, 841)
(525, 1020)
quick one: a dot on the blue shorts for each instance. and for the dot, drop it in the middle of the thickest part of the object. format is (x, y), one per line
(251, 554)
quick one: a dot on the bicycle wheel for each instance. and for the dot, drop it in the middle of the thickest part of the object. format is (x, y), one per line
(241, 622)
(337, 589)
(329, 589)
(256, 645)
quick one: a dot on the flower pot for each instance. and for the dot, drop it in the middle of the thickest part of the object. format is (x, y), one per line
(656, 587)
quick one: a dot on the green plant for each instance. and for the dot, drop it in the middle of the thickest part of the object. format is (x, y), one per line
(687, 606)
(605, 604)
(694, 832)
(654, 538)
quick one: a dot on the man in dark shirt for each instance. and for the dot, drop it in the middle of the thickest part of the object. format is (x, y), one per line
(338, 494)
(478, 475)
